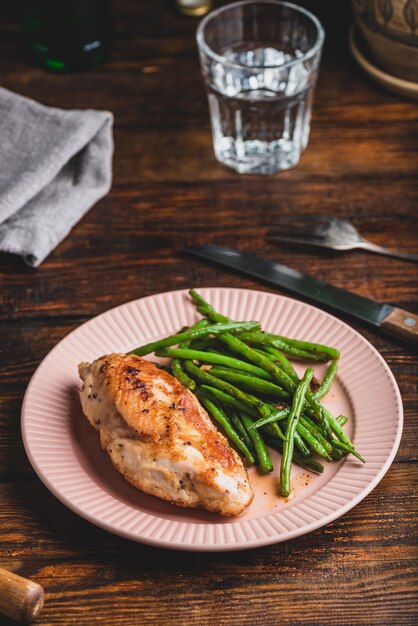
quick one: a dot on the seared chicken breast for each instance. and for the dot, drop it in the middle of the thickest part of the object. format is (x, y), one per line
(159, 437)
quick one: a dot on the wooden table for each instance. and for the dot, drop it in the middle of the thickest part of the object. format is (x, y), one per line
(168, 191)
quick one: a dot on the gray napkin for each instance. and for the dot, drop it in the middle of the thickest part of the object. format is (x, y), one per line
(54, 165)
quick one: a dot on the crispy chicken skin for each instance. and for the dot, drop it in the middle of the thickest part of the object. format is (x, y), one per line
(159, 437)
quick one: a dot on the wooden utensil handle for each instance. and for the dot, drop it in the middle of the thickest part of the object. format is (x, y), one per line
(20, 599)
(403, 324)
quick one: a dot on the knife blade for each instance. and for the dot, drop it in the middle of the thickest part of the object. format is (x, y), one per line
(381, 315)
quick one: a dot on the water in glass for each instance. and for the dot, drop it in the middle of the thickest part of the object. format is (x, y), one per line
(260, 118)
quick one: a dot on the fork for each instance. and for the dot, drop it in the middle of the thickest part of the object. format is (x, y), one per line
(329, 232)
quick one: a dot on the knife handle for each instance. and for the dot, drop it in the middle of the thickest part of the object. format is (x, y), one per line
(402, 324)
(21, 599)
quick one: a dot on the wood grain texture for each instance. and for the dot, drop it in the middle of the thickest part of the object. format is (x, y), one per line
(169, 191)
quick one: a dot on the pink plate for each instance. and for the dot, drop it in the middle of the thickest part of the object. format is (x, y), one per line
(64, 450)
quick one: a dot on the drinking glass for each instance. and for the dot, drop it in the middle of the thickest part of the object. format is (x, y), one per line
(260, 63)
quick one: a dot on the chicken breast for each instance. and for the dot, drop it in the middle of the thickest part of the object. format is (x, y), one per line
(159, 437)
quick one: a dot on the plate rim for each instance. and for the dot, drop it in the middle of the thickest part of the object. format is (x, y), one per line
(249, 544)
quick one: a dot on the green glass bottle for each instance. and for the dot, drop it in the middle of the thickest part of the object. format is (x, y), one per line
(66, 35)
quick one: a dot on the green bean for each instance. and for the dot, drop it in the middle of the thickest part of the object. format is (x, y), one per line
(268, 372)
(342, 420)
(315, 430)
(243, 396)
(204, 377)
(270, 431)
(304, 431)
(202, 323)
(237, 424)
(285, 378)
(180, 374)
(312, 398)
(206, 309)
(220, 416)
(327, 381)
(264, 352)
(226, 398)
(274, 430)
(292, 421)
(313, 441)
(237, 345)
(346, 448)
(302, 445)
(337, 429)
(288, 368)
(260, 360)
(241, 407)
(336, 454)
(320, 413)
(207, 345)
(286, 374)
(259, 445)
(176, 364)
(305, 420)
(317, 348)
(306, 428)
(278, 357)
(189, 335)
(271, 418)
(341, 434)
(250, 382)
(310, 464)
(267, 339)
(216, 359)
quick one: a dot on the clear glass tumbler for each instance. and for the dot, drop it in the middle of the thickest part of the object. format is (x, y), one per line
(260, 63)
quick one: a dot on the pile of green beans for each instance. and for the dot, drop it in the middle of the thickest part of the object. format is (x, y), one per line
(243, 377)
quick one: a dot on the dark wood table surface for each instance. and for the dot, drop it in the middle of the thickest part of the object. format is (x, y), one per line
(168, 190)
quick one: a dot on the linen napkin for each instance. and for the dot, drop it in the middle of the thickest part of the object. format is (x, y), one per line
(54, 165)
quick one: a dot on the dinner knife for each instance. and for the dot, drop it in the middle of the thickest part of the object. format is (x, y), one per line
(384, 316)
